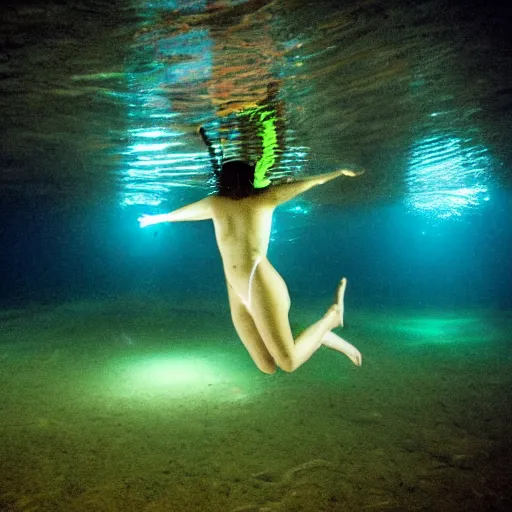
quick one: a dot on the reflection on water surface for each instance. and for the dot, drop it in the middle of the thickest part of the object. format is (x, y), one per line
(105, 98)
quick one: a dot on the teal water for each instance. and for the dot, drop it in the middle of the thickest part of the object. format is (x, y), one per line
(123, 385)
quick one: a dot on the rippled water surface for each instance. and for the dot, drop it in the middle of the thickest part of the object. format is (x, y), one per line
(102, 100)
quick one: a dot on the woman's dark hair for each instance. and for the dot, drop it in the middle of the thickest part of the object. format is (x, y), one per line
(236, 180)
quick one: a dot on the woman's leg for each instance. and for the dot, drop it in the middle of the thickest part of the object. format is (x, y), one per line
(248, 333)
(269, 306)
(335, 342)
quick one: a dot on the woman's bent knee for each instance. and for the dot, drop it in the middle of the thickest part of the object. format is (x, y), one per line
(268, 368)
(287, 363)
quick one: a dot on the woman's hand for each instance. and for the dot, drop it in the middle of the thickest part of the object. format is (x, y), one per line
(350, 173)
(148, 220)
(324, 178)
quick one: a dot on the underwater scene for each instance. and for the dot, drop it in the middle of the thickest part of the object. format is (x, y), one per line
(255, 256)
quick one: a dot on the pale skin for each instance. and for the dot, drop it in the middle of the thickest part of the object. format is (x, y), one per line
(258, 295)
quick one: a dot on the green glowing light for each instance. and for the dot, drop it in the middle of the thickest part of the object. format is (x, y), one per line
(167, 373)
(175, 372)
(440, 330)
(202, 375)
(269, 136)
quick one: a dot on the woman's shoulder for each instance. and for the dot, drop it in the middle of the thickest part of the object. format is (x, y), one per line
(254, 202)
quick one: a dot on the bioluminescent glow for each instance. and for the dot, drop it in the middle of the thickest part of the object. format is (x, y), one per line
(203, 375)
(436, 330)
(172, 372)
(447, 175)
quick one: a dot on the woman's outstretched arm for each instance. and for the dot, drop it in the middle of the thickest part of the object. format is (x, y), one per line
(286, 191)
(200, 210)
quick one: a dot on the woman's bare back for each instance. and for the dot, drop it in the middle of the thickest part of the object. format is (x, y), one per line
(242, 231)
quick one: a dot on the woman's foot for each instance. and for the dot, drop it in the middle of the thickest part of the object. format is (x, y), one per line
(333, 341)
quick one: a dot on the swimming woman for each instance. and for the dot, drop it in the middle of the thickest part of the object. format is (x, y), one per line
(258, 296)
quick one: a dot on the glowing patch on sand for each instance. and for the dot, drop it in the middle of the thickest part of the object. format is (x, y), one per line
(189, 379)
(166, 371)
(440, 330)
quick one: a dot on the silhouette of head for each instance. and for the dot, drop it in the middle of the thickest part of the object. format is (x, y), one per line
(236, 179)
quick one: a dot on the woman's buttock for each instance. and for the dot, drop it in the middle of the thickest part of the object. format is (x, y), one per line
(262, 277)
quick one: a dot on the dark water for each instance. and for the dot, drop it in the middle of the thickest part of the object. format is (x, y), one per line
(392, 257)
(99, 107)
